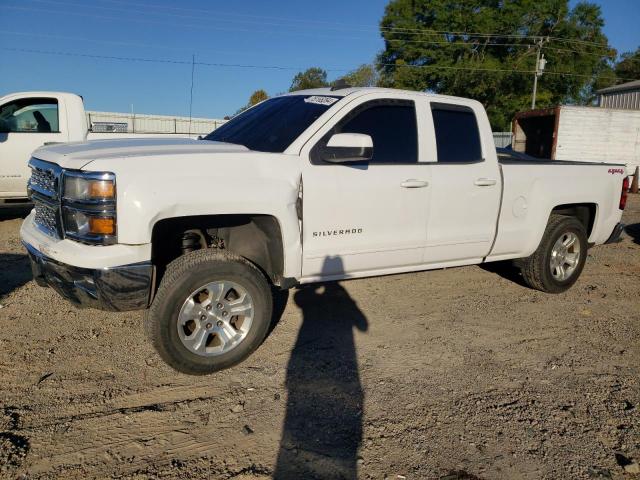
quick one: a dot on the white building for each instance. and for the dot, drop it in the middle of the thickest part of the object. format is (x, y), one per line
(625, 96)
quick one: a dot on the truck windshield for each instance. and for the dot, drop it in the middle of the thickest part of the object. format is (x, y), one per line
(274, 124)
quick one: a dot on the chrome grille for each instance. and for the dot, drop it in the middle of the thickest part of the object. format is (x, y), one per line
(44, 187)
(44, 181)
(46, 218)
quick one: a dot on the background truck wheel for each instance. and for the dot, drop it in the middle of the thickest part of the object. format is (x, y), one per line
(212, 310)
(557, 263)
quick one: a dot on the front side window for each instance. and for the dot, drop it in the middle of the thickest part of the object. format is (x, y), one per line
(274, 124)
(457, 135)
(392, 126)
(30, 115)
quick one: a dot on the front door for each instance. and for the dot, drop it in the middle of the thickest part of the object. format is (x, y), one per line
(370, 217)
(25, 125)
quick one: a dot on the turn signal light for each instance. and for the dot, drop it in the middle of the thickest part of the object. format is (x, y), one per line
(102, 225)
(101, 189)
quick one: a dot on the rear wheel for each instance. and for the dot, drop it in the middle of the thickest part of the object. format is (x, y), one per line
(211, 311)
(557, 263)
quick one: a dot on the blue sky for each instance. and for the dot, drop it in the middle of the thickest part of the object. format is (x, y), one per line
(289, 35)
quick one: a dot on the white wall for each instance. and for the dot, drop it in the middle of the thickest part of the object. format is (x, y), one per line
(140, 123)
(593, 134)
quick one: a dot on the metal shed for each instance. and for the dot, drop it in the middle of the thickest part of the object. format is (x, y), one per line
(625, 96)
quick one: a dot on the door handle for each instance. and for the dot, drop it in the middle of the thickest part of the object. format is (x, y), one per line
(485, 182)
(413, 183)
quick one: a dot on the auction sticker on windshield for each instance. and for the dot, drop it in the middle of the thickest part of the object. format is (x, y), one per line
(320, 100)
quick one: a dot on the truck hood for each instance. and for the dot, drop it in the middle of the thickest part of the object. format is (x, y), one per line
(77, 155)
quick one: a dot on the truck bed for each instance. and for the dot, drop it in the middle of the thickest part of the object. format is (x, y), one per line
(533, 188)
(506, 161)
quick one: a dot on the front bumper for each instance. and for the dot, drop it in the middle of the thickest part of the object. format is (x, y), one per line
(615, 235)
(126, 287)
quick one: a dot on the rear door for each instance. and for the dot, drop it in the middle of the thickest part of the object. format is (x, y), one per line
(25, 125)
(465, 187)
(370, 217)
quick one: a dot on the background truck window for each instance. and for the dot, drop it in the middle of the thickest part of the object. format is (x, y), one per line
(30, 115)
(457, 135)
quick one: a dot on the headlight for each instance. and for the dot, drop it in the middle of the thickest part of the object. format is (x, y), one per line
(89, 207)
(92, 187)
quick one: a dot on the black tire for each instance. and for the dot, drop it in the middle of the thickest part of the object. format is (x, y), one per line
(188, 273)
(536, 269)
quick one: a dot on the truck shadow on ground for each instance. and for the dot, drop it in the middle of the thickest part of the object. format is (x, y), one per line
(323, 422)
(507, 270)
(15, 271)
(11, 213)
(633, 231)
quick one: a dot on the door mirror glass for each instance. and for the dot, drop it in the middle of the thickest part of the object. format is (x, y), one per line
(348, 147)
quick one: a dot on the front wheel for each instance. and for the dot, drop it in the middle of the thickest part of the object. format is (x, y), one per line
(557, 263)
(211, 311)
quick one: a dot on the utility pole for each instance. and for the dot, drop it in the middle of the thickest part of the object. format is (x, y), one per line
(193, 67)
(540, 64)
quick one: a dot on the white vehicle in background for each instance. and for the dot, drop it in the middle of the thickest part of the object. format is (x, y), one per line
(29, 120)
(311, 186)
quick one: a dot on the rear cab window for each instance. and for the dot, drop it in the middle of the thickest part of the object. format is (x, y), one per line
(457, 133)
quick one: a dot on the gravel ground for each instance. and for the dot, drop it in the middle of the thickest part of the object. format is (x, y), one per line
(452, 374)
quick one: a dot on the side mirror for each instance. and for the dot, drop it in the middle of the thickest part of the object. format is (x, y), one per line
(348, 147)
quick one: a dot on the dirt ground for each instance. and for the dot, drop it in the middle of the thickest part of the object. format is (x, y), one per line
(453, 374)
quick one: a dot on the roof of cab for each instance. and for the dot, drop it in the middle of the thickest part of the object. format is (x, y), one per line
(343, 92)
(38, 94)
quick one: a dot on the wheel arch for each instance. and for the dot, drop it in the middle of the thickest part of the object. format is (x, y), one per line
(585, 212)
(256, 237)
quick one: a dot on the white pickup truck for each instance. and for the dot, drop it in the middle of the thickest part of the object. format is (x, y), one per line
(29, 120)
(311, 186)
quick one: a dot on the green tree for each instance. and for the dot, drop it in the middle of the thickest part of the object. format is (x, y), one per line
(313, 77)
(363, 76)
(257, 97)
(443, 46)
(628, 68)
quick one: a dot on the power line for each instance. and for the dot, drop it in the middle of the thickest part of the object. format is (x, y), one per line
(260, 19)
(282, 67)
(174, 24)
(151, 60)
(426, 42)
(567, 50)
(350, 26)
(116, 43)
(169, 47)
(226, 52)
(297, 22)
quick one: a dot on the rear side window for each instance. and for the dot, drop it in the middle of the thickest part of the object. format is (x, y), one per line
(457, 135)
